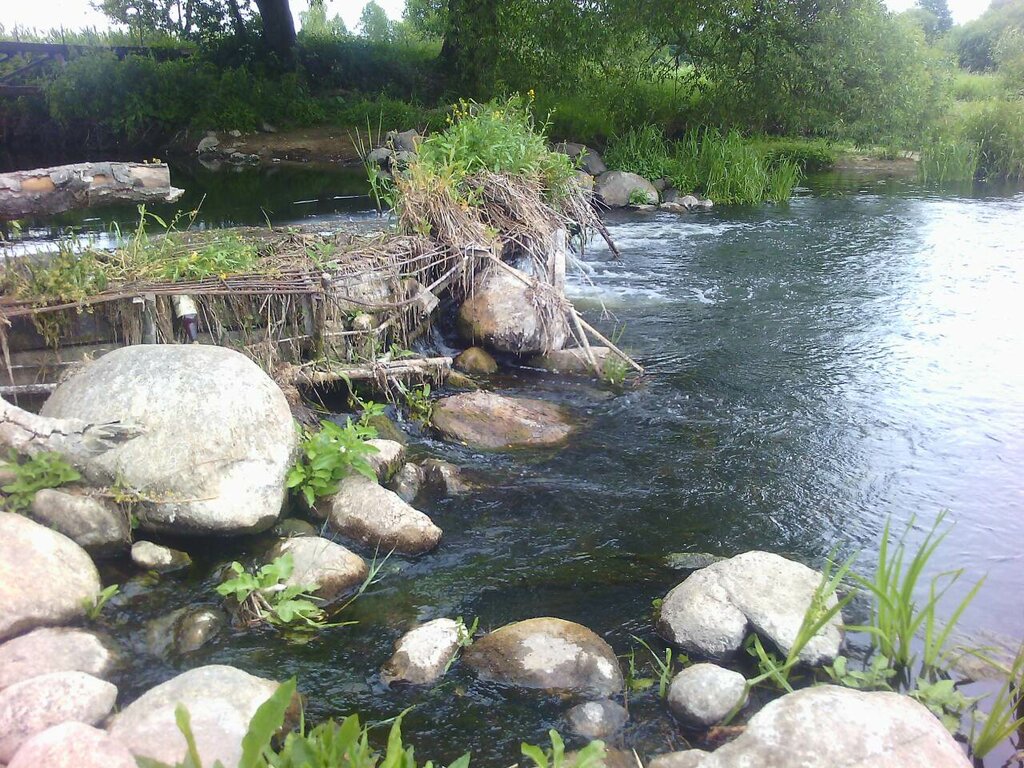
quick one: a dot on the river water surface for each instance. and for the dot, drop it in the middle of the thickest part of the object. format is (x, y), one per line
(814, 369)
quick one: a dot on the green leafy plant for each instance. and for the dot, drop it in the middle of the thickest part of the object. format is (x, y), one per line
(666, 667)
(944, 700)
(876, 676)
(329, 455)
(591, 756)
(94, 607)
(264, 597)
(638, 197)
(1005, 715)
(44, 470)
(417, 400)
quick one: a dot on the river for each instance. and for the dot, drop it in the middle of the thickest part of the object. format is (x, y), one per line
(814, 369)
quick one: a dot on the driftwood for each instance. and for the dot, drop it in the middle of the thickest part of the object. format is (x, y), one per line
(422, 367)
(78, 441)
(47, 191)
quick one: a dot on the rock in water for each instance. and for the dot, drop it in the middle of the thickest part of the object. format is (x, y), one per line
(407, 482)
(487, 420)
(617, 189)
(475, 360)
(712, 611)
(33, 705)
(96, 525)
(423, 654)
(378, 518)
(828, 726)
(445, 477)
(45, 578)
(57, 649)
(218, 434)
(72, 745)
(502, 312)
(387, 460)
(572, 361)
(221, 701)
(154, 557)
(330, 568)
(702, 695)
(597, 719)
(550, 654)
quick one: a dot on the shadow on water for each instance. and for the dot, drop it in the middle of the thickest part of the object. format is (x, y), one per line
(814, 369)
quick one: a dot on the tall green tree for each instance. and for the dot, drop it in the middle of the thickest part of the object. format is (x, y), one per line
(940, 10)
(374, 23)
(470, 50)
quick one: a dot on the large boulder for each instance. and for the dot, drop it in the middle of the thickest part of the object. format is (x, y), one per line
(617, 189)
(549, 654)
(72, 745)
(712, 612)
(45, 578)
(704, 694)
(96, 525)
(57, 649)
(218, 434)
(221, 701)
(331, 569)
(505, 313)
(33, 705)
(423, 654)
(487, 420)
(827, 726)
(376, 517)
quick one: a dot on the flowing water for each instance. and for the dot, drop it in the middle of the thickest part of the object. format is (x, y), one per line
(813, 370)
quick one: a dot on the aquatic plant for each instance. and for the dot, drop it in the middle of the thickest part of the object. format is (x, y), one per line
(1005, 715)
(666, 668)
(330, 454)
(417, 401)
(264, 597)
(947, 159)
(591, 756)
(44, 470)
(94, 606)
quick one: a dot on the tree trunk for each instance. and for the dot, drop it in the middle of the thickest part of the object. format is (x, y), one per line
(469, 51)
(46, 191)
(278, 27)
(237, 21)
(76, 440)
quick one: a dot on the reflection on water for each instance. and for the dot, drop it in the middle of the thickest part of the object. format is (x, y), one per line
(814, 369)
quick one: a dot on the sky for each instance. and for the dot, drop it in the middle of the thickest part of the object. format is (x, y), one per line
(75, 14)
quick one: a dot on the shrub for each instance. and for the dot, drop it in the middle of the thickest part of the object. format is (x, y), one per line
(998, 131)
(329, 455)
(44, 470)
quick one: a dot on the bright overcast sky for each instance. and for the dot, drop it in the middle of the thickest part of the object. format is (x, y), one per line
(75, 14)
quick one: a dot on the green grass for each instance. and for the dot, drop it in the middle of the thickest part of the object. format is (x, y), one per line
(947, 160)
(977, 86)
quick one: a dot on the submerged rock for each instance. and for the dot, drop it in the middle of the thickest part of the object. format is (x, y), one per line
(218, 434)
(713, 610)
(487, 420)
(72, 745)
(827, 726)
(691, 561)
(33, 705)
(221, 701)
(572, 361)
(154, 557)
(45, 578)
(293, 527)
(550, 654)
(386, 461)
(617, 189)
(96, 525)
(502, 312)
(423, 654)
(704, 694)
(445, 477)
(597, 719)
(184, 630)
(378, 518)
(57, 649)
(475, 360)
(331, 568)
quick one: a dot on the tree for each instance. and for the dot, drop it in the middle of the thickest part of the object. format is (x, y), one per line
(374, 23)
(315, 22)
(278, 27)
(943, 18)
(468, 54)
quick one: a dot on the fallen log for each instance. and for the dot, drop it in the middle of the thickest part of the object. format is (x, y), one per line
(421, 367)
(46, 191)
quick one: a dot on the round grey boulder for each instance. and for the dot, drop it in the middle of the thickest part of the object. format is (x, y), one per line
(704, 694)
(376, 517)
(33, 705)
(827, 726)
(331, 569)
(596, 719)
(45, 578)
(618, 189)
(155, 557)
(72, 745)
(96, 525)
(217, 438)
(549, 654)
(57, 649)
(487, 420)
(712, 612)
(221, 701)
(423, 654)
